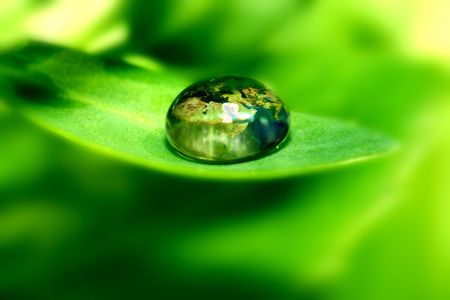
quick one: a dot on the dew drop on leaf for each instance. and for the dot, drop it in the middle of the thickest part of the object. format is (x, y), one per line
(226, 119)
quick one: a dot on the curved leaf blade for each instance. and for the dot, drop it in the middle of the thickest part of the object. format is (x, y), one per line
(120, 110)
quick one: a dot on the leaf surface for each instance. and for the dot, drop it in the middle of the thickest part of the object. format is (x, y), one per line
(120, 110)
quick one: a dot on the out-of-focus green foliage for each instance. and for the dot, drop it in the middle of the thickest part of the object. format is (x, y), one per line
(76, 225)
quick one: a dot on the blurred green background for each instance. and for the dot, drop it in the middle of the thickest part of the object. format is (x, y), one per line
(75, 224)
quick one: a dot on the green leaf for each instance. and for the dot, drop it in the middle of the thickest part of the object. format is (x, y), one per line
(120, 110)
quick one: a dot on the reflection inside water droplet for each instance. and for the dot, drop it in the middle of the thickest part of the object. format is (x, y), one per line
(226, 119)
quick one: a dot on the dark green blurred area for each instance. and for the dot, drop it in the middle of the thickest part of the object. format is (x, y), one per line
(77, 225)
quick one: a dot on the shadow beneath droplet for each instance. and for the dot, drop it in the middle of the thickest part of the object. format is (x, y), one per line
(174, 151)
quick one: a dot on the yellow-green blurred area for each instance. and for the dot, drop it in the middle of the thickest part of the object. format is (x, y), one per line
(75, 224)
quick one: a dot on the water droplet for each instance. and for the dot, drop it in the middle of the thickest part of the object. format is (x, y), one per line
(226, 119)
